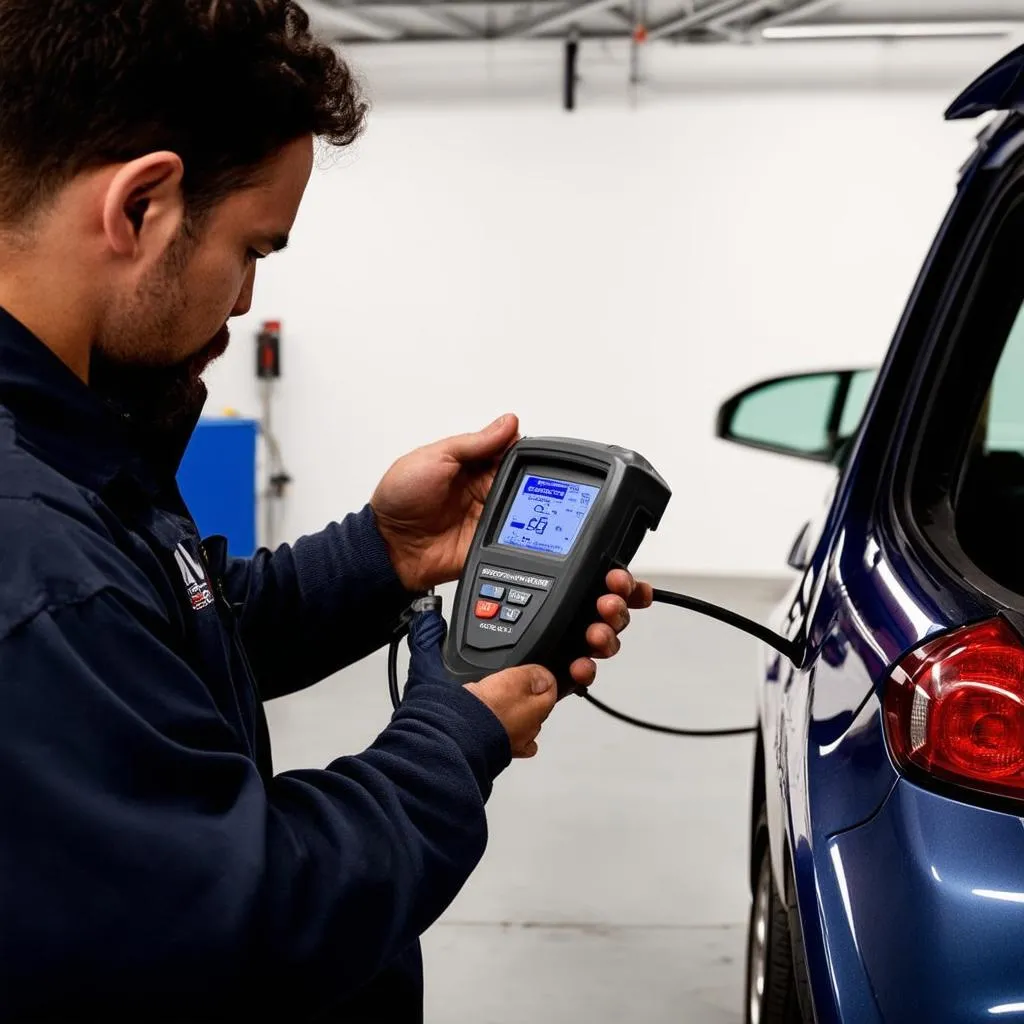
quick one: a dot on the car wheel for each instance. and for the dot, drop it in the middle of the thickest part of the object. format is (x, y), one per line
(771, 990)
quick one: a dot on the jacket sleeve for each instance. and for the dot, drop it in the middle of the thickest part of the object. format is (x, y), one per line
(312, 609)
(146, 868)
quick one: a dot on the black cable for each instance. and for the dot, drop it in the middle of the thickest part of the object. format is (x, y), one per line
(396, 643)
(428, 602)
(785, 647)
(666, 729)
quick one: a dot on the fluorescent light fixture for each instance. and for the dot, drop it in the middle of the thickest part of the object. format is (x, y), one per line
(1007, 1008)
(893, 30)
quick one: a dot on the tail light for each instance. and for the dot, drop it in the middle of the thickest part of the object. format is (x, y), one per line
(955, 708)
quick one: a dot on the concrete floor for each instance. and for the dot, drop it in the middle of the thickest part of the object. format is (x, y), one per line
(614, 886)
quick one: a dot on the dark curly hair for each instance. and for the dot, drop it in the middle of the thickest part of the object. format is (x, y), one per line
(222, 83)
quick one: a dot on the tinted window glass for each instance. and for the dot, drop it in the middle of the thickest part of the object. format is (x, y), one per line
(857, 397)
(1003, 419)
(990, 506)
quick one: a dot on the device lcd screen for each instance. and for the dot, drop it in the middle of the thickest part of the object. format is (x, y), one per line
(547, 515)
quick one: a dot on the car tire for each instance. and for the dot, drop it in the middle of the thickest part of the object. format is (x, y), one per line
(772, 995)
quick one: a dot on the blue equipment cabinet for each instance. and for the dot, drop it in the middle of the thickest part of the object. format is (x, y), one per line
(218, 481)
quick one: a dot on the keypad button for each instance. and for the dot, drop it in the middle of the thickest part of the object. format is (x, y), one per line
(487, 609)
(491, 591)
(519, 597)
(511, 614)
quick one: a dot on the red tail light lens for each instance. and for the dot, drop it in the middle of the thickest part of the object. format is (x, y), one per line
(955, 708)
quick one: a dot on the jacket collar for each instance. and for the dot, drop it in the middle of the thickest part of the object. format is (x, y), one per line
(72, 428)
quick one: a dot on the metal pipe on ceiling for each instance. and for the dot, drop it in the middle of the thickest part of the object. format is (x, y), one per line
(637, 42)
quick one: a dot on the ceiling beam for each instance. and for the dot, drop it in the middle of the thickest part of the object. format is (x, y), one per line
(623, 17)
(454, 23)
(685, 22)
(726, 23)
(563, 18)
(801, 10)
(410, 40)
(370, 5)
(331, 19)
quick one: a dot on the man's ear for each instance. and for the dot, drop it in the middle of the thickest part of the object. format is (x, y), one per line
(144, 207)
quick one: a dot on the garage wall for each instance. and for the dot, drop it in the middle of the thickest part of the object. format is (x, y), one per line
(613, 274)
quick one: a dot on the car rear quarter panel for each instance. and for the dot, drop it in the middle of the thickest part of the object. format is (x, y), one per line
(840, 817)
(827, 768)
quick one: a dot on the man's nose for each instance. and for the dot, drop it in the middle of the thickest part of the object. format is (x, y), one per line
(244, 303)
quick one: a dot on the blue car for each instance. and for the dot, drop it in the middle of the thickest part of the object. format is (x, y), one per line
(887, 819)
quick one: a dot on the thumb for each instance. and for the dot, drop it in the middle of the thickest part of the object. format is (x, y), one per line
(529, 680)
(487, 444)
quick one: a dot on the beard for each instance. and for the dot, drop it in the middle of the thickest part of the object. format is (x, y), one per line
(133, 366)
(159, 400)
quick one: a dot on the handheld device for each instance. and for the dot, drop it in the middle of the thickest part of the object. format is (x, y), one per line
(561, 515)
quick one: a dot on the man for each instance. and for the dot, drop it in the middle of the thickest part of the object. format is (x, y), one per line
(152, 866)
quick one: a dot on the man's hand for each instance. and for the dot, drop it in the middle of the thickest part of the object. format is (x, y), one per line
(613, 611)
(428, 508)
(522, 699)
(429, 504)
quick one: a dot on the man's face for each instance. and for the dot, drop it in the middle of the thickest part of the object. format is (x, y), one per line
(159, 336)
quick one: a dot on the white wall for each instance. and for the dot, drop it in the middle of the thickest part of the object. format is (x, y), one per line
(612, 274)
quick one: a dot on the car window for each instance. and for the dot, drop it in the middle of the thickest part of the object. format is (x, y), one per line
(861, 385)
(1003, 418)
(990, 506)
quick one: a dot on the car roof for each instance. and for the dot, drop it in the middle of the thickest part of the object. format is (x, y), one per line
(1001, 87)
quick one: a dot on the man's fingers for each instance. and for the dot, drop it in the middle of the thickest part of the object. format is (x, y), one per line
(583, 671)
(621, 582)
(614, 612)
(487, 444)
(603, 641)
(636, 595)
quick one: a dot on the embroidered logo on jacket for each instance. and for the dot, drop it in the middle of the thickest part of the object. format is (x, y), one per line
(194, 575)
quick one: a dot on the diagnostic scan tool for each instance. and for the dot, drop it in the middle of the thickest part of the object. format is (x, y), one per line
(561, 515)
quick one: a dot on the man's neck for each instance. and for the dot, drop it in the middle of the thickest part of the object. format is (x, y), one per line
(58, 316)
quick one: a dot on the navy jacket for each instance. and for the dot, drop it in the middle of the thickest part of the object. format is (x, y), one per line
(152, 866)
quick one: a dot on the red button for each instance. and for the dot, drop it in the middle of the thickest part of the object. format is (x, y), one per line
(487, 609)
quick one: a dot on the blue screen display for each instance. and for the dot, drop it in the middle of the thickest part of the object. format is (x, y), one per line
(547, 515)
